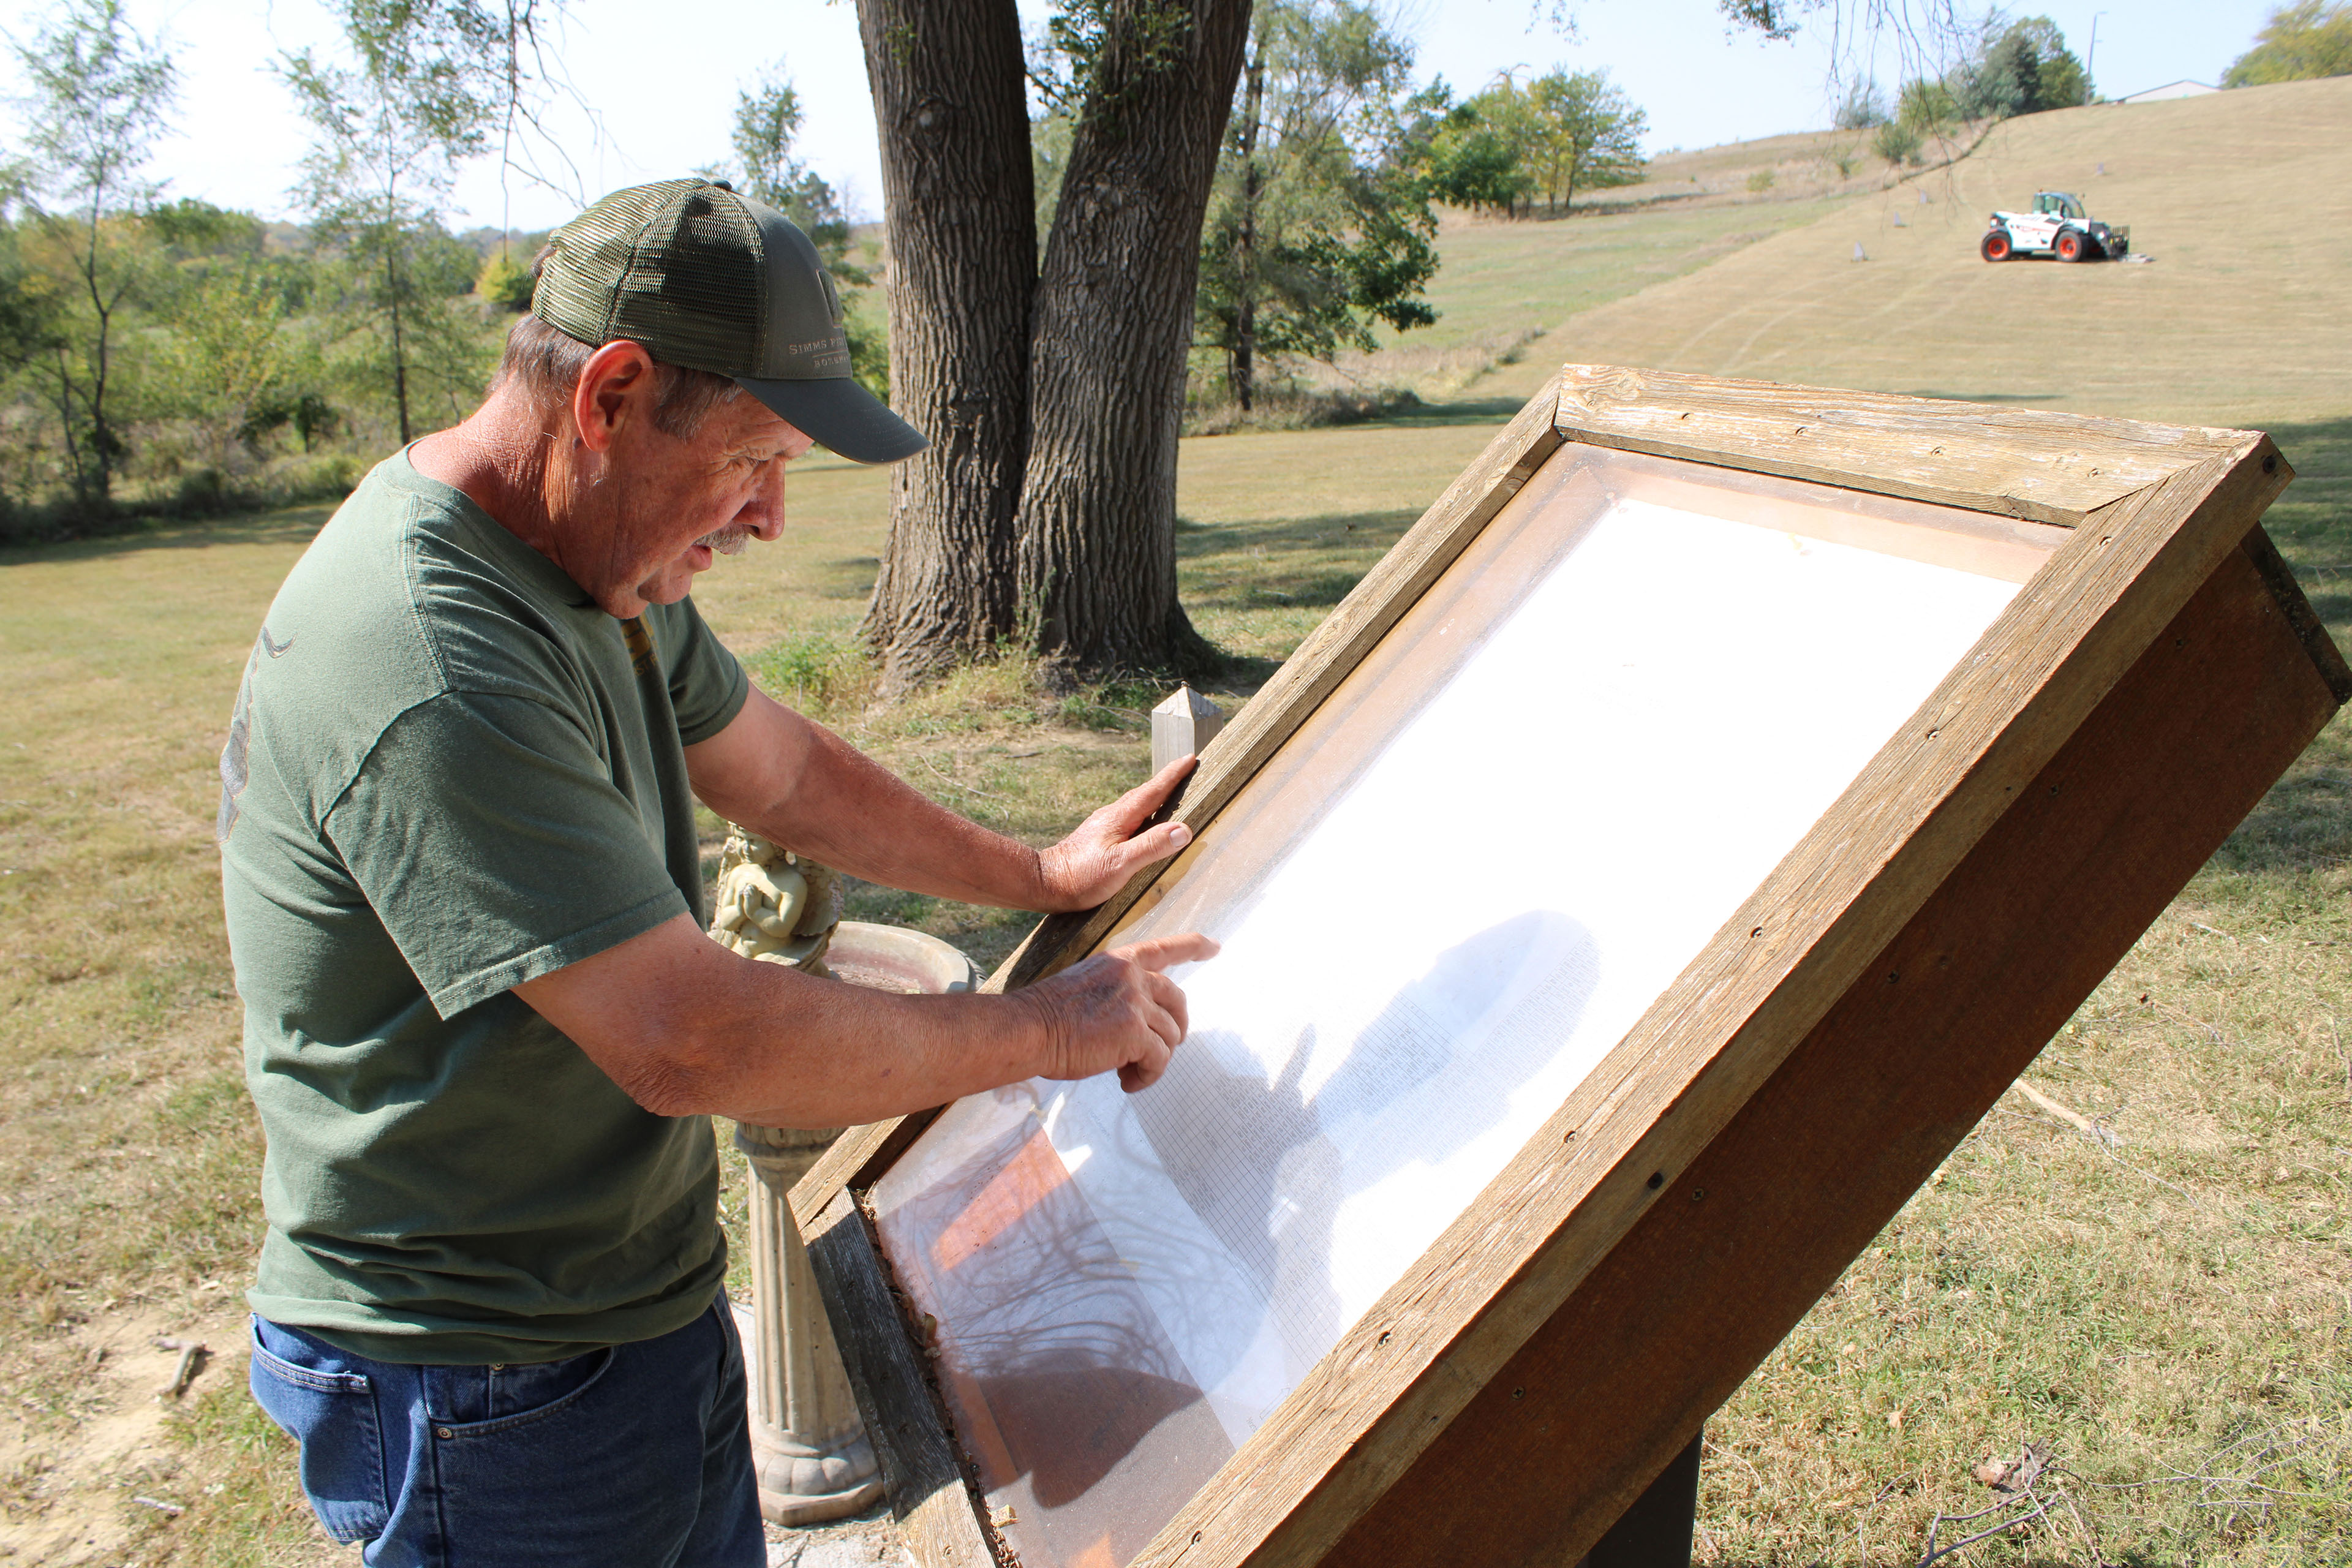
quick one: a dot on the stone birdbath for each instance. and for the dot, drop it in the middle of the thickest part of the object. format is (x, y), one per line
(808, 1446)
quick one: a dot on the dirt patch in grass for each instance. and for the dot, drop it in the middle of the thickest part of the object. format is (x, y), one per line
(103, 1468)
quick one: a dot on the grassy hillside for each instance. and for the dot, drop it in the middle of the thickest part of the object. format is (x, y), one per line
(1505, 283)
(2243, 198)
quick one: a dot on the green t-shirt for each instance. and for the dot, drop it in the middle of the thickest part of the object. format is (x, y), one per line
(449, 771)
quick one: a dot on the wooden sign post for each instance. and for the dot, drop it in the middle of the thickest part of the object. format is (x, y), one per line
(1877, 730)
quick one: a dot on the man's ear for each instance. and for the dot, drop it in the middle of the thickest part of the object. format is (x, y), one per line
(616, 385)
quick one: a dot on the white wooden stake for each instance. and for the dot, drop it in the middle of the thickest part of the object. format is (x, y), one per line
(1182, 725)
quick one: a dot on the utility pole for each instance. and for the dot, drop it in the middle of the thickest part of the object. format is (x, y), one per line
(2091, 60)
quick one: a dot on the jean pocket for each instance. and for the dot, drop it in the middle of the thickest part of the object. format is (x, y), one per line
(332, 1413)
(487, 1401)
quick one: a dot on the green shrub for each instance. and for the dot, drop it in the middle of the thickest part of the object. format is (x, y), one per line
(1897, 143)
(504, 283)
(816, 672)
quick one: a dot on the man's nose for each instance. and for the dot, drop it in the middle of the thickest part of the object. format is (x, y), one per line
(763, 514)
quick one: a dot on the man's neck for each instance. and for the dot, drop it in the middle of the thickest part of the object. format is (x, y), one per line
(506, 461)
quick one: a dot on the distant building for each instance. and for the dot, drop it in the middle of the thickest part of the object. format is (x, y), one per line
(2170, 90)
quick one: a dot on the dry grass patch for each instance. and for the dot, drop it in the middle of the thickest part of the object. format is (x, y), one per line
(1502, 286)
(2166, 1302)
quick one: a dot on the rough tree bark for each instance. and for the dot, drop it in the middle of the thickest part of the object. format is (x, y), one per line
(1113, 322)
(949, 97)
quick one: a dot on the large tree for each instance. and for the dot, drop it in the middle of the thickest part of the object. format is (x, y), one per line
(2026, 68)
(388, 131)
(1587, 134)
(2301, 41)
(98, 96)
(1045, 510)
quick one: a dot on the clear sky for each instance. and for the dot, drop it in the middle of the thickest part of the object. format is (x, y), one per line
(659, 79)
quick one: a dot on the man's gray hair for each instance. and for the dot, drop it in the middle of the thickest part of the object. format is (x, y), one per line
(543, 363)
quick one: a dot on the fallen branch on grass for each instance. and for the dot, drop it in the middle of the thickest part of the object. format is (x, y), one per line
(2075, 1119)
(192, 1359)
(2020, 1482)
(2041, 1507)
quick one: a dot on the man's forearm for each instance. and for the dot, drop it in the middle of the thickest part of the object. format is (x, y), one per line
(785, 1049)
(688, 1029)
(853, 813)
(802, 786)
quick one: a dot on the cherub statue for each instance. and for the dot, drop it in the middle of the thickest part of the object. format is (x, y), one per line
(771, 905)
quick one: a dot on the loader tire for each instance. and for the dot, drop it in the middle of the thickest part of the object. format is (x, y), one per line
(1995, 246)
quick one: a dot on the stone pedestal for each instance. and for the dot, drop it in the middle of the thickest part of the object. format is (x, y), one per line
(808, 1446)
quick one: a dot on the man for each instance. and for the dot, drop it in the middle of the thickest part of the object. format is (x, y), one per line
(483, 1027)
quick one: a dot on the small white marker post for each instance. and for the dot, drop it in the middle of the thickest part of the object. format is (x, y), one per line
(1182, 725)
(1859, 254)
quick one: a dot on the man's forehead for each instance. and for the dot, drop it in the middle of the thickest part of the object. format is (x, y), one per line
(751, 426)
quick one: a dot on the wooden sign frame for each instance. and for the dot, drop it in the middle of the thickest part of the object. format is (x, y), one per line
(1809, 1070)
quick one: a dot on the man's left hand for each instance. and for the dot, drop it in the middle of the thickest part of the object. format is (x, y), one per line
(1099, 855)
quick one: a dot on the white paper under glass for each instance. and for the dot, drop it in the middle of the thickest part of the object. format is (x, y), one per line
(1445, 900)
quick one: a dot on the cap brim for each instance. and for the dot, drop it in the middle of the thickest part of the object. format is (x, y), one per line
(840, 415)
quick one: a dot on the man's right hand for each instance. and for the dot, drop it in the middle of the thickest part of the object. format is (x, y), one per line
(1117, 1010)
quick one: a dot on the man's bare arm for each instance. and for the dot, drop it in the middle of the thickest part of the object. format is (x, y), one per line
(802, 786)
(688, 1029)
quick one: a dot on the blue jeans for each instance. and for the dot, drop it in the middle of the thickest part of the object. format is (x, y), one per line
(638, 1456)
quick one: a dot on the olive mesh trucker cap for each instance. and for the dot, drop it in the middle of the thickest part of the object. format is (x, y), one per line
(707, 279)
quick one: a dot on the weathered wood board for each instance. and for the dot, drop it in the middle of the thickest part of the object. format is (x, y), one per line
(1072, 1339)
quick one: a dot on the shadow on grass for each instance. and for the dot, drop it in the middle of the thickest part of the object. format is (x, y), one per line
(280, 525)
(1308, 563)
(2304, 823)
(1467, 411)
(1356, 532)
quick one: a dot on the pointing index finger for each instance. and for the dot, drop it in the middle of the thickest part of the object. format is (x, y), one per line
(1158, 953)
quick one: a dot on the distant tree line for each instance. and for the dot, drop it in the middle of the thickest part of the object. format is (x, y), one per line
(2010, 68)
(2299, 42)
(161, 354)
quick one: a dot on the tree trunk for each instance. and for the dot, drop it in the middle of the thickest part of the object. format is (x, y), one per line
(1245, 271)
(77, 450)
(102, 437)
(957, 182)
(1114, 321)
(399, 350)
